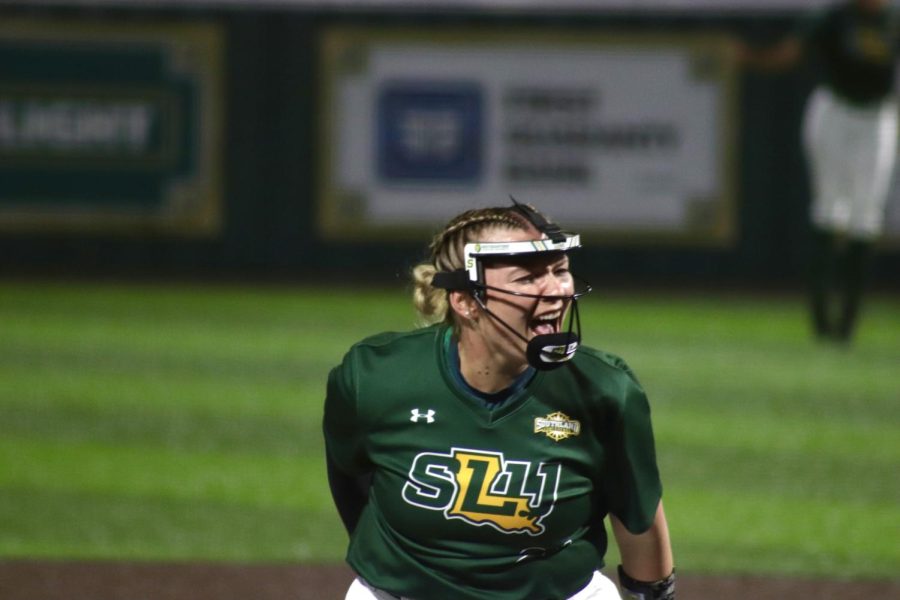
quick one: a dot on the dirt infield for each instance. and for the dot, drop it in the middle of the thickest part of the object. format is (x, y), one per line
(28, 580)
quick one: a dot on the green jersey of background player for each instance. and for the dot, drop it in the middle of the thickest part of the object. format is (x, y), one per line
(478, 457)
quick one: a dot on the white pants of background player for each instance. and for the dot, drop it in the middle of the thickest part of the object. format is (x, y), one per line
(851, 152)
(599, 588)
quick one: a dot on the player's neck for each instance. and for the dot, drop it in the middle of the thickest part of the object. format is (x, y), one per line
(485, 371)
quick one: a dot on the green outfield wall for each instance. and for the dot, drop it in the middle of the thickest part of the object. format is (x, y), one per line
(192, 142)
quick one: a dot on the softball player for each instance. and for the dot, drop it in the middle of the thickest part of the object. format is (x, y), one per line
(478, 456)
(850, 139)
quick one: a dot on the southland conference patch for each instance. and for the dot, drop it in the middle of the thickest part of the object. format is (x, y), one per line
(557, 426)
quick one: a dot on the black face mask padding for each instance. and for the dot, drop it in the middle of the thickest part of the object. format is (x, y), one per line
(559, 343)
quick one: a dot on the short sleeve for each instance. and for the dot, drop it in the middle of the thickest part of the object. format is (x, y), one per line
(341, 426)
(633, 485)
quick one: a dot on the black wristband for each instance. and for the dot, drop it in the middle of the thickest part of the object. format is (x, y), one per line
(664, 589)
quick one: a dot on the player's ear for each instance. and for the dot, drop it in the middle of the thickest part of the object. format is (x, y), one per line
(463, 304)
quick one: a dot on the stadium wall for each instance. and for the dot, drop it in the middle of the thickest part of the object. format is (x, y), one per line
(268, 159)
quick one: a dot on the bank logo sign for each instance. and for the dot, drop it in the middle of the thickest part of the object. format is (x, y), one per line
(483, 488)
(430, 131)
(420, 126)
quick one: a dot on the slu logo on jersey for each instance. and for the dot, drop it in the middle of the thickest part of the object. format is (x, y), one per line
(481, 487)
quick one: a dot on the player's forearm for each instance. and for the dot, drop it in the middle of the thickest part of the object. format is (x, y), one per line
(646, 556)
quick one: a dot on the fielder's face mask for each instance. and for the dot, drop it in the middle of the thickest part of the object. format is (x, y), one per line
(544, 351)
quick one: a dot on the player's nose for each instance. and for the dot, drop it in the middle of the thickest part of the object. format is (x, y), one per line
(554, 285)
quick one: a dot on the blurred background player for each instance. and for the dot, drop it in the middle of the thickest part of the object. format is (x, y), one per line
(850, 141)
(477, 457)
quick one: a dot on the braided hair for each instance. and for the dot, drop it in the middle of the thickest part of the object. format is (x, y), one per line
(446, 254)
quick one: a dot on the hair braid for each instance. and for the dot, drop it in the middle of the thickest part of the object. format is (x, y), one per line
(446, 249)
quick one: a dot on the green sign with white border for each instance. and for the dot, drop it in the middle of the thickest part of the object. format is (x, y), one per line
(110, 127)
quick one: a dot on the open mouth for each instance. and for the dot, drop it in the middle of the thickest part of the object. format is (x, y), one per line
(546, 323)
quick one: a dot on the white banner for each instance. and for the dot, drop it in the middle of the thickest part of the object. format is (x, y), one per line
(621, 135)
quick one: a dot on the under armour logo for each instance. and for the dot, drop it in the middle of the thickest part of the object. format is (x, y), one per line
(416, 415)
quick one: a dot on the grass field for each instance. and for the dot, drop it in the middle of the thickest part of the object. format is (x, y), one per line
(183, 423)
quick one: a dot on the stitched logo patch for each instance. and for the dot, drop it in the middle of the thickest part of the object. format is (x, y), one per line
(557, 426)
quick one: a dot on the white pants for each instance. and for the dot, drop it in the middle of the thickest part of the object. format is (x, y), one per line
(851, 153)
(599, 588)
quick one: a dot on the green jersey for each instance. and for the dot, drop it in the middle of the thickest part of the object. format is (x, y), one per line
(857, 51)
(470, 501)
